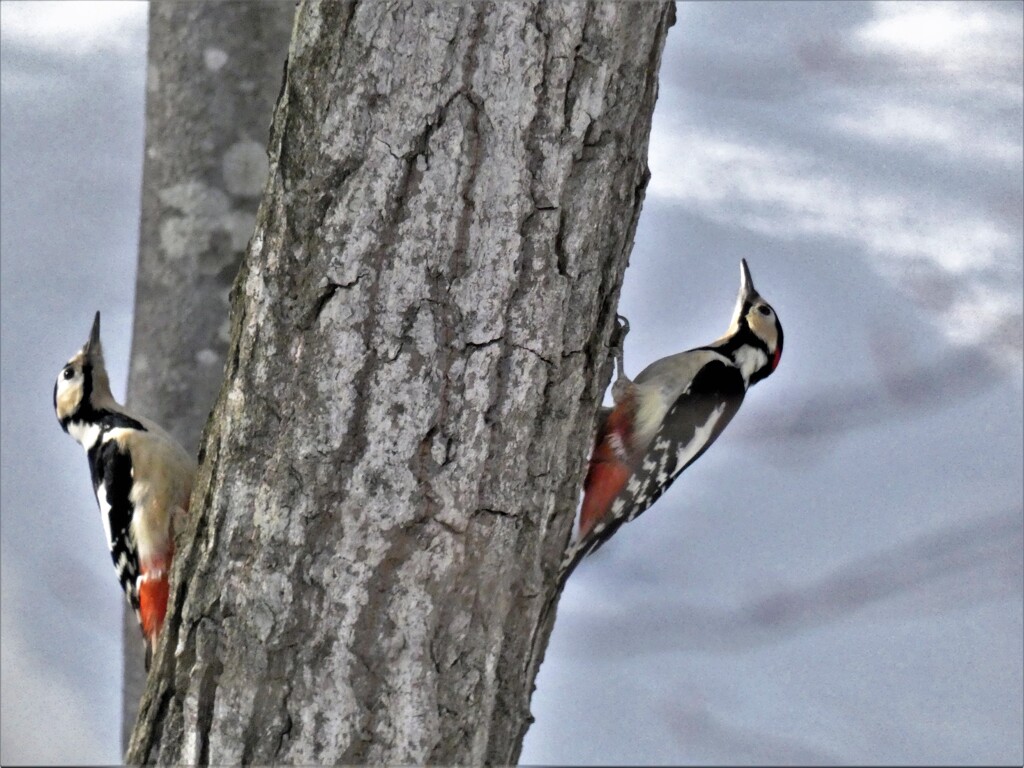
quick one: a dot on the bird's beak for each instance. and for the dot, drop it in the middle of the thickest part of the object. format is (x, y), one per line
(747, 290)
(93, 343)
(746, 296)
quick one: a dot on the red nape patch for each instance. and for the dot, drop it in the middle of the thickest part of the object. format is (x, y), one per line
(776, 357)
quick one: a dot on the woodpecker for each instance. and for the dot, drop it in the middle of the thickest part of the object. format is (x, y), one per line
(669, 415)
(141, 476)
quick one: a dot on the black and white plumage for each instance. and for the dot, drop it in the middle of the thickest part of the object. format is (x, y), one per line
(669, 415)
(141, 476)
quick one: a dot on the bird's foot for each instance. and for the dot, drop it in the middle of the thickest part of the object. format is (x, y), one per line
(616, 344)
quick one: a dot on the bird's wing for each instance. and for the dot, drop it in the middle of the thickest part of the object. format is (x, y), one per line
(112, 481)
(693, 422)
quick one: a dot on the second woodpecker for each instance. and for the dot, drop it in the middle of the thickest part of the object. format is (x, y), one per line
(669, 415)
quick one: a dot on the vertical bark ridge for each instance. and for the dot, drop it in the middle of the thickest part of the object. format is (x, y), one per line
(418, 351)
(214, 67)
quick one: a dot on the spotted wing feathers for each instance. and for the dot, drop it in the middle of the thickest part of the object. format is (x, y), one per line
(112, 480)
(619, 488)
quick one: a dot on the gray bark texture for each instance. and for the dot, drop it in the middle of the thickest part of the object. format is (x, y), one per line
(389, 477)
(214, 71)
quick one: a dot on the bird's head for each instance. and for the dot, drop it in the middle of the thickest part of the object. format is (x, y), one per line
(755, 334)
(82, 385)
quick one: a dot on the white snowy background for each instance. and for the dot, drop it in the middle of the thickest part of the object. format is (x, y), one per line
(839, 580)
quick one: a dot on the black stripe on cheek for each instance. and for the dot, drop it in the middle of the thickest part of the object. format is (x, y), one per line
(744, 337)
(744, 323)
(84, 412)
(86, 401)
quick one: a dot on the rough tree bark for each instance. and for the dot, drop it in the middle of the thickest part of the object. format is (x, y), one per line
(214, 71)
(390, 473)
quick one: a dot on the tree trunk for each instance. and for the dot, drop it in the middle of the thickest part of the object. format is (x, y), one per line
(389, 477)
(214, 71)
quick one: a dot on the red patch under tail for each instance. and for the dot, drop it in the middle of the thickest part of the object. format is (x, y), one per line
(608, 472)
(154, 589)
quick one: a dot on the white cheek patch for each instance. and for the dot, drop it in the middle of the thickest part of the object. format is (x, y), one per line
(765, 328)
(69, 395)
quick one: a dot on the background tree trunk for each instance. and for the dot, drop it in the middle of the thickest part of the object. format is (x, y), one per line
(214, 70)
(390, 474)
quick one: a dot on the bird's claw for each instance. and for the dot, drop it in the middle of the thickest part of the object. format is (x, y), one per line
(623, 326)
(622, 382)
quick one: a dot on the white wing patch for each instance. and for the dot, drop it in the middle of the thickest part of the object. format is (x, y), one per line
(700, 438)
(662, 465)
(101, 497)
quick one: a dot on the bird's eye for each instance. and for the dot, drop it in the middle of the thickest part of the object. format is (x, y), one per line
(764, 310)
(69, 373)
